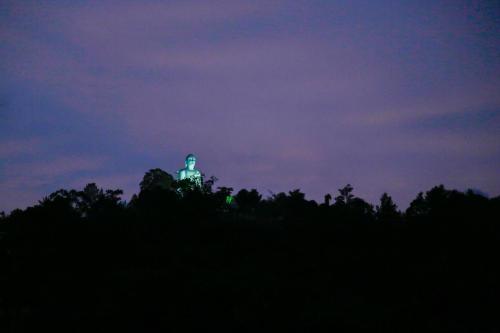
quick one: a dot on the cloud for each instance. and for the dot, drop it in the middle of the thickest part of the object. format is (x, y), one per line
(15, 147)
(36, 174)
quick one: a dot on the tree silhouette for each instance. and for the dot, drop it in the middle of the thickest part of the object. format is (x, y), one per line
(345, 195)
(156, 179)
(179, 258)
(327, 199)
(221, 194)
(248, 201)
(418, 207)
(387, 210)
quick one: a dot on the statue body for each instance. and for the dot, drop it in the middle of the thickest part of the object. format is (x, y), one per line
(189, 171)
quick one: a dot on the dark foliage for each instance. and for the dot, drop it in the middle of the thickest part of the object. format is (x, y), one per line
(182, 258)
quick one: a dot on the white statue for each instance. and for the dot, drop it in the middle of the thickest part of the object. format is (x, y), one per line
(190, 172)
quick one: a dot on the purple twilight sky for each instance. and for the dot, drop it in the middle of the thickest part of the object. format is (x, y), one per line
(393, 96)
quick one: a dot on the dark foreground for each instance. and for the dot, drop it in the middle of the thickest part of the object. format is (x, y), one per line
(165, 263)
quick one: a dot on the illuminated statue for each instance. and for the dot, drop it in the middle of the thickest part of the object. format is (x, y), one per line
(190, 172)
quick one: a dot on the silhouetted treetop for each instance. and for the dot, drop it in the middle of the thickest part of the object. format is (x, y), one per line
(387, 210)
(156, 179)
(345, 195)
(180, 254)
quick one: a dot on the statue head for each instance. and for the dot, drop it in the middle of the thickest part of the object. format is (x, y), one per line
(190, 161)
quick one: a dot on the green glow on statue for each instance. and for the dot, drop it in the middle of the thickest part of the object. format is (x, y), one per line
(229, 199)
(190, 172)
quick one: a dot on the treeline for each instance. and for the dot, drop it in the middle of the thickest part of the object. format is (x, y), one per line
(178, 257)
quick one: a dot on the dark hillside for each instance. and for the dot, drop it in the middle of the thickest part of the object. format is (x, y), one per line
(189, 260)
